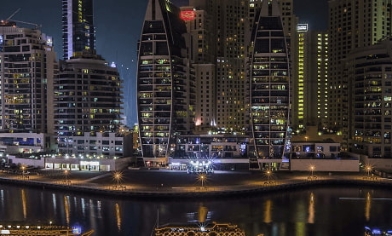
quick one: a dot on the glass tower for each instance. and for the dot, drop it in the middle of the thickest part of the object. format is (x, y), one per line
(165, 84)
(78, 27)
(269, 85)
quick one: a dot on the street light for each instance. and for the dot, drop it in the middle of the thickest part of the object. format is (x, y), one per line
(23, 172)
(368, 168)
(117, 176)
(312, 169)
(202, 178)
(268, 175)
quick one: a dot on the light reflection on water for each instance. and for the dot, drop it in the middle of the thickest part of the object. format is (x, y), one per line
(308, 212)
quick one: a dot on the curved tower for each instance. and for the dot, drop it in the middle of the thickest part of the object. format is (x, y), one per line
(165, 90)
(269, 85)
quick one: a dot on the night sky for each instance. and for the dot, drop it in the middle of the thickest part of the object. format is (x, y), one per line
(118, 26)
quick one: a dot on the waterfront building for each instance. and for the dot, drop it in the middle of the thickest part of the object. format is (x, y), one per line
(352, 24)
(165, 82)
(27, 68)
(219, 44)
(87, 103)
(78, 27)
(269, 88)
(369, 71)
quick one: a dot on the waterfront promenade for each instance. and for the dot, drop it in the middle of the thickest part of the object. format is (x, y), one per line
(161, 183)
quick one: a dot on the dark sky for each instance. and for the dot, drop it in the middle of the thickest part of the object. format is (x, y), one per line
(118, 25)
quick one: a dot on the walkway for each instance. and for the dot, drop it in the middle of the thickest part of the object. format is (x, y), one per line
(156, 183)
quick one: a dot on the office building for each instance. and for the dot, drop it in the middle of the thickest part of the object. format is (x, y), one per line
(78, 27)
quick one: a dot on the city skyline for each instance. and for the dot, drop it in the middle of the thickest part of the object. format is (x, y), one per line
(116, 40)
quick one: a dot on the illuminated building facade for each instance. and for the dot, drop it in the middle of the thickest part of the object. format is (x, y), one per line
(218, 38)
(202, 47)
(310, 85)
(27, 68)
(165, 82)
(269, 86)
(87, 95)
(352, 24)
(370, 73)
(78, 27)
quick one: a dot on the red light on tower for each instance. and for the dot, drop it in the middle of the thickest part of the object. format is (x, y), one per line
(187, 15)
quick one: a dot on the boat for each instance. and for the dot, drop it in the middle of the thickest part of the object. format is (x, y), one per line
(202, 230)
(41, 230)
(375, 231)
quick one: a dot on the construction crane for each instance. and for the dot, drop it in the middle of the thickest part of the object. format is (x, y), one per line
(37, 26)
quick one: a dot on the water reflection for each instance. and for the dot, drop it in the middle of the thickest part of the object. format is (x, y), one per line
(368, 206)
(118, 216)
(321, 212)
(311, 209)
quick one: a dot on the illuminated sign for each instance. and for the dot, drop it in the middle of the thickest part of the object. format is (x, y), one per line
(93, 163)
(187, 15)
(302, 27)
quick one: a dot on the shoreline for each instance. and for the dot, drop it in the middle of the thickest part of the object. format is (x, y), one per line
(191, 192)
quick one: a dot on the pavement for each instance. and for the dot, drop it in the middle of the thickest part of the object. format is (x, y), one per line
(163, 181)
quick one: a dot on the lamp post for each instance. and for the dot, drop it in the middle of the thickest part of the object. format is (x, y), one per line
(312, 168)
(202, 178)
(368, 170)
(23, 172)
(117, 176)
(268, 175)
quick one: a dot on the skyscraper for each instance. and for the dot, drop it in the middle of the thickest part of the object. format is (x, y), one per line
(87, 100)
(224, 64)
(27, 68)
(165, 82)
(352, 24)
(370, 73)
(269, 80)
(310, 85)
(78, 27)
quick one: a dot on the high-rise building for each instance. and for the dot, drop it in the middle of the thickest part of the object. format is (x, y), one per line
(269, 80)
(215, 38)
(165, 82)
(27, 68)
(352, 24)
(310, 85)
(370, 72)
(78, 27)
(87, 95)
(87, 90)
(201, 41)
